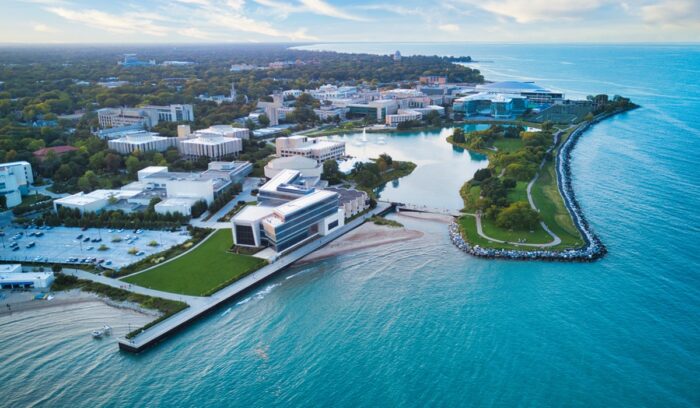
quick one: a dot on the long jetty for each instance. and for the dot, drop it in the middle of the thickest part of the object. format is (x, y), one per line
(162, 330)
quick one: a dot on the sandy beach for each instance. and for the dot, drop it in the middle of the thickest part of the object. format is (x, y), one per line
(24, 301)
(368, 235)
(445, 219)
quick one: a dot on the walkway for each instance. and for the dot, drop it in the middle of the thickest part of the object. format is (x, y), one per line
(555, 238)
(115, 283)
(162, 329)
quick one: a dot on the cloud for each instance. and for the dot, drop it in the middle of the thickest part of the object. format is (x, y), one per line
(450, 28)
(530, 11)
(672, 13)
(126, 23)
(318, 7)
(43, 28)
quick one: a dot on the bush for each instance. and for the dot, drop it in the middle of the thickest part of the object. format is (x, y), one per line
(519, 216)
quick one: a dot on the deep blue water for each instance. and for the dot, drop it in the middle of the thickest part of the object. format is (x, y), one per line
(419, 323)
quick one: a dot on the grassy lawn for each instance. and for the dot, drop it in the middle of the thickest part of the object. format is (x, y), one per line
(537, 236)
(468, 226)
(546, 196)
(507, 145)
(205, 270)
(519, 193)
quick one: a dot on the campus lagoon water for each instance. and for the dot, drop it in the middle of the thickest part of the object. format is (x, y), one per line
(419, 323)
(441, 168)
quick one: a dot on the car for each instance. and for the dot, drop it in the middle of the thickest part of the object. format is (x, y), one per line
(79, 236)
(84, 228)
(31, 244)
(87, 239)
(90, 248)
(140, 253)
(15, 249)
(108, 262)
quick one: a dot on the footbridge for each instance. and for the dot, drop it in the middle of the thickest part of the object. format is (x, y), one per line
(425, 209)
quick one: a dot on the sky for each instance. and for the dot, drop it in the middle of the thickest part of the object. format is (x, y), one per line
(219, 21)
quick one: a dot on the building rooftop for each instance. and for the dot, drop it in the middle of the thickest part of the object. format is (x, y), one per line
(294, 162)
(252, 213)
(283, 177)
(291, 207)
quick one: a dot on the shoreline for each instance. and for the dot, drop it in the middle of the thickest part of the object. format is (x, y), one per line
(368, 235)
(24, 302)
(592, 249)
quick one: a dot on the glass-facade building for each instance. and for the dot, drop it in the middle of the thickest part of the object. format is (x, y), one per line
(297, 220)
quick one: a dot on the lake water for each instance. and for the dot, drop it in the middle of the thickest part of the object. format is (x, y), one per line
(441, 168)
(419, 323)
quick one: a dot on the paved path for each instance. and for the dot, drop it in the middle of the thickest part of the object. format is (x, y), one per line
(249, 184)
(115, 283)
(203, 305)
(555, 238)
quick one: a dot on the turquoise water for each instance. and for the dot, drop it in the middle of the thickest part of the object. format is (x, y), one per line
(419, 323)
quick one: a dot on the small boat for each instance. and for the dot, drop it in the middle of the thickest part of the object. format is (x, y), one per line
(97, 334)
(107, 330)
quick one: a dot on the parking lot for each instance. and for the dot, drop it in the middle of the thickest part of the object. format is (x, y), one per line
(107, 247)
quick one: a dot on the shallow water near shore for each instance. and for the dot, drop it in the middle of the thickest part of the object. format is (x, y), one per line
(419, 323)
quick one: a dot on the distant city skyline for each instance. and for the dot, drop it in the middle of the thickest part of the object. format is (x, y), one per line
(215, 21)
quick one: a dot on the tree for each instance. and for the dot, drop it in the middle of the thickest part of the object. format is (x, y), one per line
(64, 173)
(331, 172)
(458, 135)
(482, 174)
(133, 165)
(264, 120)
(518, 215)
(509, 182)
(88, 181)
(433, 118)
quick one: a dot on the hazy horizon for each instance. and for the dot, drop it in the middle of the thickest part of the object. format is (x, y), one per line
(332, 21)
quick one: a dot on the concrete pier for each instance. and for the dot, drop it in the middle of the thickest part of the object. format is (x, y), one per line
(161, 330)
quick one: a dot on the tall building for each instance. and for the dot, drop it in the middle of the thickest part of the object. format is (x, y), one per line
(314, 148)
(15, 179)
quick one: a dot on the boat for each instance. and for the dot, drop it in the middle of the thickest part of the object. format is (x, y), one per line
(97, 334)
(107, 329)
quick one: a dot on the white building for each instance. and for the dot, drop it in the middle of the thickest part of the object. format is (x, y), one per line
(142, 141)
(308, 167)
(213, 142)
(148, 116)
(177, 190)
(15, 179)
(403, 115)
(314, 148)
(12, 277)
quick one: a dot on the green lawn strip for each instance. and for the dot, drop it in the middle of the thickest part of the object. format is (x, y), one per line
(507, 145)
(546, 196)
(467, 225)
(201, 272)
(537, 236)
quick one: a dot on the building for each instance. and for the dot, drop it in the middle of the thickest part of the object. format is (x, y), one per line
(314, 148)
(178, 191)
(397, 56)
(403, 115)
(219, 99)
(499, 106)
(306, 166)
(215, 142)
(12, 277)
(147, 116)
(58, 151)
(142, 141)
(130, 60)
(242, 67)
(374, 110)
(331, 112)
(535, 94)
(291, 210)
(290, 224)
(15, 179)
(433, 80)
(352, 201)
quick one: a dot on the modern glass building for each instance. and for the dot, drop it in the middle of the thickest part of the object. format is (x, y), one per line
(302, 218)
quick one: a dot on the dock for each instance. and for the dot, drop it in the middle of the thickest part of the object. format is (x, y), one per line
(162, 330)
